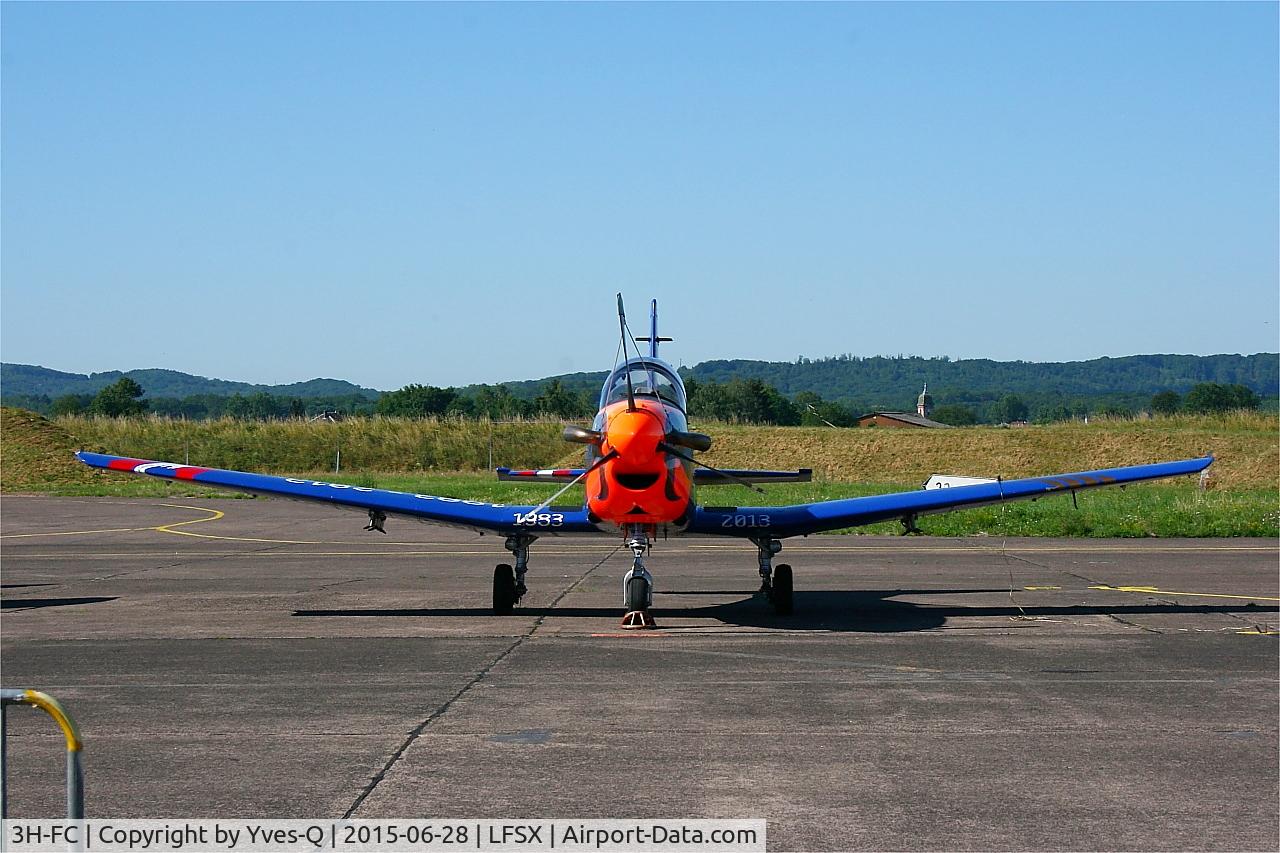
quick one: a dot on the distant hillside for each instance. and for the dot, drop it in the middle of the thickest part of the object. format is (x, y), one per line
(850, 377)
(31, 380)
(881, 381)
(527, 389)
(860, 384)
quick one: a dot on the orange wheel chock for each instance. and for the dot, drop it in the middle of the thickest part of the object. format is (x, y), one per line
(639, 620)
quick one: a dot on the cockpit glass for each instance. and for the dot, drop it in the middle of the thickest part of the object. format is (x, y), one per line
(646, 381)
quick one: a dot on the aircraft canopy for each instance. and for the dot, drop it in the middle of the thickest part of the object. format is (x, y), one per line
(649, 378)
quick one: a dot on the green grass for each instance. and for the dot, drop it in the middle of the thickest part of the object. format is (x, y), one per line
(446, 458)
(1245, 445)
(369, 444)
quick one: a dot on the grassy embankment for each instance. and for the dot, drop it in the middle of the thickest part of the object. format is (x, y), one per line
(450, 458)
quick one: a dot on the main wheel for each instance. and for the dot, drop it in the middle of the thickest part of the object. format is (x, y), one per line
(637, 597)
(504, 589)
(781, 589)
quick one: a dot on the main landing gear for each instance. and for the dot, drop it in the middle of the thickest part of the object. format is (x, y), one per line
(637, 585)
(775, 581)
(508, 581)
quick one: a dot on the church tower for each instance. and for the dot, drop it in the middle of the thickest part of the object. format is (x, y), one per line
(924, 404)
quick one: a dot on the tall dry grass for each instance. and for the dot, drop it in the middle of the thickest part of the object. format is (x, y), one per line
(1246, 446)
(375, 444)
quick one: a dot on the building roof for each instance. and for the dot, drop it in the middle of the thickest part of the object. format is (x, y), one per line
(906, 417)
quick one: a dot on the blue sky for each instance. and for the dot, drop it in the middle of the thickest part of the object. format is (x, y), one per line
(452, 193)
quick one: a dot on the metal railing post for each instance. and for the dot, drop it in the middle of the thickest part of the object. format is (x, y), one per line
(75, 771)
(4, 760)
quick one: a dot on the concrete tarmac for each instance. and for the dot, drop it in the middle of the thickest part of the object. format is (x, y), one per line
(253, 658)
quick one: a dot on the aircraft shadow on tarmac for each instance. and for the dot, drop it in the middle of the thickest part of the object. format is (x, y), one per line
(34, 603)
(871, 611)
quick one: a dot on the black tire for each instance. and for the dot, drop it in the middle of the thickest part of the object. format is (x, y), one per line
(781, 589)
(637, 595)
(504, 590)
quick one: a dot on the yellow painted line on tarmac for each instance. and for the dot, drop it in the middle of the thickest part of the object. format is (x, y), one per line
(988, 547)
(1151, 590)
(76, 532)
(274, 554)
(214, 515)
(164, 528)
(284, 541)
(244, 538)
(482, 548)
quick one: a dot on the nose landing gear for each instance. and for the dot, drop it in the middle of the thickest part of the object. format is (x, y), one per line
(637, 585)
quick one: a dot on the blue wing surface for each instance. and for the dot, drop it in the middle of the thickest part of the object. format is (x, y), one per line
(474, 515)
(801, 519)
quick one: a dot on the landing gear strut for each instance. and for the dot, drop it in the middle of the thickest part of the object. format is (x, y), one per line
(637, 585)
(508, 582)
(775, 581)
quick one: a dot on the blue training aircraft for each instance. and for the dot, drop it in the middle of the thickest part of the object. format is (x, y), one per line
(640, 478)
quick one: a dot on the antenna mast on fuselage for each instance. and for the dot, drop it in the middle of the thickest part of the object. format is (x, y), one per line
(653, 338)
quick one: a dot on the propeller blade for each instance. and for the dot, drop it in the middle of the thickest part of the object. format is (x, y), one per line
(662, 445)
(692, 440)
(581, 435)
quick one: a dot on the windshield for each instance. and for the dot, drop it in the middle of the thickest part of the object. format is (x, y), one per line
(649, 380)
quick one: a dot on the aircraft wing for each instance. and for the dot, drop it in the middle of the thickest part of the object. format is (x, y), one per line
(701, 476)
(475, 515)
(707, 477)
(801, 519)
(541, 475)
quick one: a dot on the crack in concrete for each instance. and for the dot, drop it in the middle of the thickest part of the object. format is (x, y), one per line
(332, 585)
(417, 731)
(1092, 581)
(186, 562)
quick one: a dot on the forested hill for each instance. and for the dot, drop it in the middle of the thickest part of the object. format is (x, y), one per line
(894, 382)
(854, 378)
(28, 379)
(858, 384)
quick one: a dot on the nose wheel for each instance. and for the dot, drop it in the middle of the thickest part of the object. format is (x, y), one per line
(638, 594)
(637, 586)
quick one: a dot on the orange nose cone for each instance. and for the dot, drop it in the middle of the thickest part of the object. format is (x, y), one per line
(642, 485)
(635, 435)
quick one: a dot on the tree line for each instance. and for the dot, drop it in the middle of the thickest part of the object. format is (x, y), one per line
(860, 380)
(750, 401)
